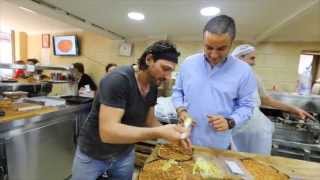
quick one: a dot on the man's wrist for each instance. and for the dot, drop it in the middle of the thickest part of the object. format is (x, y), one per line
(156, 133)
(231, 123)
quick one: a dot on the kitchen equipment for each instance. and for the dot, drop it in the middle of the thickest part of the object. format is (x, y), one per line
(8, 80)
(46, 101)
(33, 89)
(293, 137)
(14, 95)
(77, 99)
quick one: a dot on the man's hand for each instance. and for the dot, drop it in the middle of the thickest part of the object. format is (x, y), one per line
(182, 116)
(219, 123)
(171, 132)
(186, 144)
(302, 113)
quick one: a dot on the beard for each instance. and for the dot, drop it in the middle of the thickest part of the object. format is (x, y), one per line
(153, 80)
(157, 82)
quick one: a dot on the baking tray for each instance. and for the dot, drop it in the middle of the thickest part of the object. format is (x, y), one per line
(77, 99)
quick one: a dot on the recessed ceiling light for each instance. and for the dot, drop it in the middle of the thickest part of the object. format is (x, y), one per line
(209, 11)
(136, 16)
(27, 10)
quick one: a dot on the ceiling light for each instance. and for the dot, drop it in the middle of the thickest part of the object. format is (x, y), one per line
(136, 16)
(27, 10)
(209, 11)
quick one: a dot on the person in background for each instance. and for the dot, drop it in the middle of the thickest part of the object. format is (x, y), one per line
(32, 61)
(19, 73)
(255, 135)
(215, 89)
(82, 78)
(123, 114)
(110, 67)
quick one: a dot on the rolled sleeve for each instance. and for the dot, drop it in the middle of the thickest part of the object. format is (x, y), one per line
(246, 101)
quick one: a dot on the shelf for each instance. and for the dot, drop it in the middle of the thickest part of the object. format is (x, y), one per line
(32, 67)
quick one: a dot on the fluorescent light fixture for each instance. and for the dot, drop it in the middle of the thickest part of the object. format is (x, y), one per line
(136, 16)
(209, 11)
(27, 10)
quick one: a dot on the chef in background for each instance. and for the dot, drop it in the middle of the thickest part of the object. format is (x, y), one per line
(110, 67)
(86, 86)
(19, 73)
(255, 135)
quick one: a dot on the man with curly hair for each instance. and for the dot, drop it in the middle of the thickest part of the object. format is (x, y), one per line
(123, 114)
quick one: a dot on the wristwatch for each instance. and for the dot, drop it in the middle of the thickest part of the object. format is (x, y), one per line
(231, 123)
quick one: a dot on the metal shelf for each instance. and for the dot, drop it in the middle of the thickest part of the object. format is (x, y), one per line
(32, 67)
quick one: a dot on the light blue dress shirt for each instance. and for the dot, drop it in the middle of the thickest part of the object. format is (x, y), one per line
(225, 89)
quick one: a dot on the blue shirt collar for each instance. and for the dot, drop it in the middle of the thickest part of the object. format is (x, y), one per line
(209, 65)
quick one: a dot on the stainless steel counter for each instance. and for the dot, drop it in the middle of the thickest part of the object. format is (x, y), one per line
(294, 137)
(33, 89)
(41, 147)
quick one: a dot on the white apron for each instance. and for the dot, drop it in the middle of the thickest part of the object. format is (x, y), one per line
(255, 135)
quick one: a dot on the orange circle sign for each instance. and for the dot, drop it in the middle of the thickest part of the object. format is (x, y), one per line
(65, 46)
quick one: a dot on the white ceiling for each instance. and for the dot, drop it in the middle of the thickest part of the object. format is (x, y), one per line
(12, 17)
(257, 20)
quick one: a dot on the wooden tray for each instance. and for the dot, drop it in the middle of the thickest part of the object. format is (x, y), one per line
(12, 114)
(295, 169)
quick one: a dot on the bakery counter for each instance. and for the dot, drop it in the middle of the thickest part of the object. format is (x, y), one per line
(14, 122)
(41, 144)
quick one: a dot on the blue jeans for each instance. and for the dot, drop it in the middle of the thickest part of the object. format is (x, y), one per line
(87, 168)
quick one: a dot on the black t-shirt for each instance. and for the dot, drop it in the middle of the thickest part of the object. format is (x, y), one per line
(118, 89)
(86, 79)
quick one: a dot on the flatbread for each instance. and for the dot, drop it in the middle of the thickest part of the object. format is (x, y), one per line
(174, 151)
(188, 168)
(162, 169)
(261, 171)
(5, 103)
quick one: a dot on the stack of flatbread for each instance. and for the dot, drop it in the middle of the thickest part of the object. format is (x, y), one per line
(5, 103)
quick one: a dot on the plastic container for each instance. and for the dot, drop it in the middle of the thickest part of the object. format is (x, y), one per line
(208, 167)
(235, 168)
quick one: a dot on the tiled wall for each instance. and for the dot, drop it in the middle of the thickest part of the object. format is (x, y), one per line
(277, 63)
